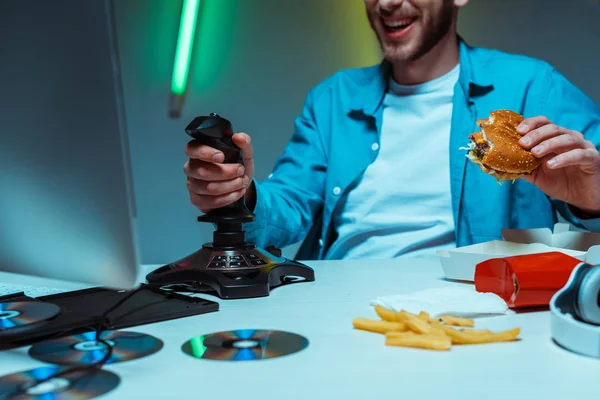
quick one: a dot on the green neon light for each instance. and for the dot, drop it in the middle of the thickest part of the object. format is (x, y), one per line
(198, 347)
(185, 43)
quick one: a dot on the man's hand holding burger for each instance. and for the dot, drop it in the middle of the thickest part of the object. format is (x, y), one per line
(212, 184)
(559, 161)
(570, 170)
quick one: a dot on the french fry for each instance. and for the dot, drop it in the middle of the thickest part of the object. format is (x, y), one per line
(468, 337)
(477, 331)
(424, 316)
(396, 335)
(378, 326)
(457, 321)
(423, 341)
(405, 329)
(437, 325)
(386, 314)
(418, 325)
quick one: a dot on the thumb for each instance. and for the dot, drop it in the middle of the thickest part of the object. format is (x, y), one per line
(243, 141)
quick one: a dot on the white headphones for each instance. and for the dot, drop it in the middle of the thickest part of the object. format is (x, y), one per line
(575, 312)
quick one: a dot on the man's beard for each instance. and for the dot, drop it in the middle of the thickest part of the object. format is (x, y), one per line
(433, 31)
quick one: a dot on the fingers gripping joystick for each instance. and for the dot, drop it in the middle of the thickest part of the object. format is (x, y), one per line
(217, 132)
(229, 266)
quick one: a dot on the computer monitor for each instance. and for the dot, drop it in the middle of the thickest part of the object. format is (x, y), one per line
(66, 199)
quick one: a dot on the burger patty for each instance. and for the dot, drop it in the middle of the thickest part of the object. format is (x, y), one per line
(481, 149)
(481, 146)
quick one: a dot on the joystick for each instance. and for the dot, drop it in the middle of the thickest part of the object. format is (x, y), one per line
(229, 266)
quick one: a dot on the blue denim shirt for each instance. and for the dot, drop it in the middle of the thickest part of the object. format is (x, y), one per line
(332, 145)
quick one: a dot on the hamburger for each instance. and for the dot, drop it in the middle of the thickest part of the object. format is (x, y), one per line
(496, 149)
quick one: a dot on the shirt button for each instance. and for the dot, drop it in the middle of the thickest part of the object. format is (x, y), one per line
(320, 242)
(375, 146)
(337, 190)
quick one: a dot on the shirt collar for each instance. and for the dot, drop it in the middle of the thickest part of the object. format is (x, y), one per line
(473, 80)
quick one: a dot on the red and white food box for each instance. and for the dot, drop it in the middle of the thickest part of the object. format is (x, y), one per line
(460, 263)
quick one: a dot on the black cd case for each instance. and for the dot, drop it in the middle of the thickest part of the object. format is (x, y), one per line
(80, 311)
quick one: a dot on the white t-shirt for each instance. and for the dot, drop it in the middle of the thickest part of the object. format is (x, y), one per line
(402, 205)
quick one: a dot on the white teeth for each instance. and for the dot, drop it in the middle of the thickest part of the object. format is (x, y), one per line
(398, 24)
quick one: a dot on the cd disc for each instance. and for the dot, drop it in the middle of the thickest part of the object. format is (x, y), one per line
(84, 349)
(72, 385)
(244, 345)
(22, 313)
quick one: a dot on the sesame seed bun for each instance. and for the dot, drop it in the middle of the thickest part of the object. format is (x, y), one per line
(496, 147)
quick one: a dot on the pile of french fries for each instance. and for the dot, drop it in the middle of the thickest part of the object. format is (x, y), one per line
(404, 329)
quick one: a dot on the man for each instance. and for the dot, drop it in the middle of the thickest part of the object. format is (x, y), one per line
(375, 166)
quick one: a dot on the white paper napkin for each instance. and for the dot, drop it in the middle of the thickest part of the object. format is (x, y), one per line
(455, 301)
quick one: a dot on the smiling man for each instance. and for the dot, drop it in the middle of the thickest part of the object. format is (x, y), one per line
(375, 169)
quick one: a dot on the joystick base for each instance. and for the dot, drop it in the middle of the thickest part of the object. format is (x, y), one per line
(243, 272)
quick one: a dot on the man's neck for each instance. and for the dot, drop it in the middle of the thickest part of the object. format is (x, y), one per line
(439, 61)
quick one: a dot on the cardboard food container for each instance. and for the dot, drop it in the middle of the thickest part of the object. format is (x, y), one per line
(527, 280)
(460, 263)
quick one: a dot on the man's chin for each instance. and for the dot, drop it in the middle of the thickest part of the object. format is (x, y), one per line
(398, 53)
(403, 49)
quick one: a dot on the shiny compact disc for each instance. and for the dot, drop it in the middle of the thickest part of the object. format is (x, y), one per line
(72, 385)
(244, 345)
(85, 349)
(22, 313)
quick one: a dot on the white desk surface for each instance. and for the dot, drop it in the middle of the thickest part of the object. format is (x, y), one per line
(340, 362)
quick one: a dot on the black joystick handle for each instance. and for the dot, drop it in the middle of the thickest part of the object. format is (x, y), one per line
(217, 132)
